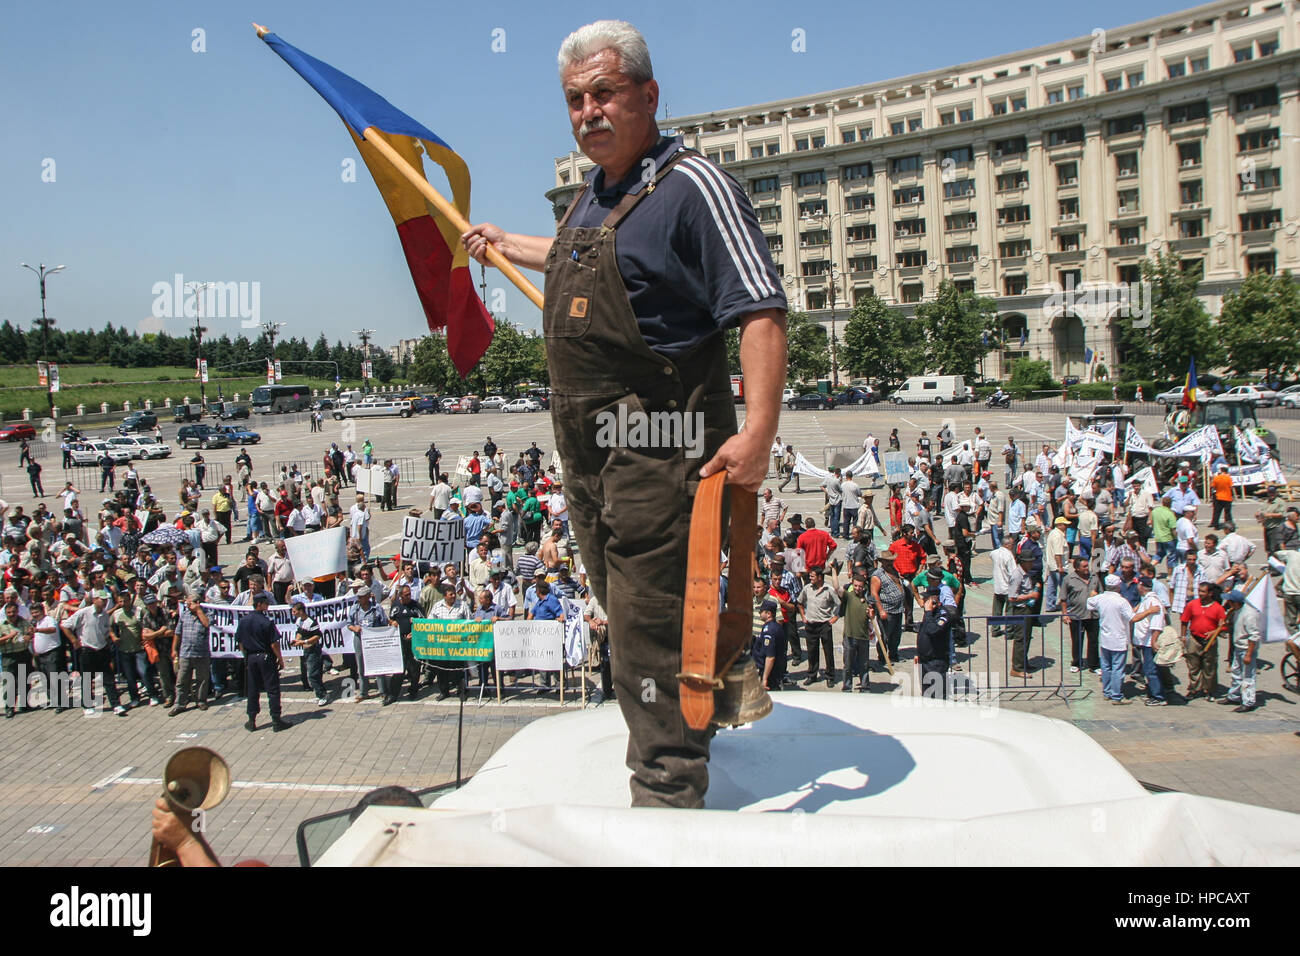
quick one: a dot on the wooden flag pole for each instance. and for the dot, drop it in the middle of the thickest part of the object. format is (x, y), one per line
(376, 139)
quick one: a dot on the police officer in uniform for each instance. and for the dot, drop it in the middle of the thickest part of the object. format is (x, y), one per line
(658, 254)
(933, 644)
(260, 642)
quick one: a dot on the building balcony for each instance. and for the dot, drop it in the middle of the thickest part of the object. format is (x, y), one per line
(1198, 244)
(1068, 256)
(1127, 249)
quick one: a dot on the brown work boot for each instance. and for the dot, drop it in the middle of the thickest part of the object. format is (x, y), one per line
(743, 698)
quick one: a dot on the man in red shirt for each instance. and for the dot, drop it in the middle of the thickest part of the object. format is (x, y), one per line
(283, 508)
(817, 545)
(909, 556)
(1203, 619)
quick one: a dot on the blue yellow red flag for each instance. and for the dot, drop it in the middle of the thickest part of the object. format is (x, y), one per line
(1189, 385)
(438, 262)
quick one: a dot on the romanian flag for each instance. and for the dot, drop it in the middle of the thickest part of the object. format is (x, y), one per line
(1189, 386)
(437, 260)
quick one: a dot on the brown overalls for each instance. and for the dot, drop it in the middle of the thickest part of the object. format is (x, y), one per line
(630, 507)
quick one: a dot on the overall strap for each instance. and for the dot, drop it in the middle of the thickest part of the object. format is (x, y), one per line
(564, 220)
(629, 201)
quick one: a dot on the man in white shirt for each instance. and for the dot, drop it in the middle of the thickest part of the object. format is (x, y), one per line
(851, 495)
(439, 497)
(1235, 546)
(1004, 564)
(1113, 616)
(558, 506)
(1148, 621)
(359, 524)
(89, 630)
(1185, 531)
(471, 495)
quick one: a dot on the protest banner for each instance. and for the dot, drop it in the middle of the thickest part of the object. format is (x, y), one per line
(896, 468)
(331, 615)
(432, 540)
(318, 554)
(370, 481)
(381, 650)
(454, 641)
(530, 645)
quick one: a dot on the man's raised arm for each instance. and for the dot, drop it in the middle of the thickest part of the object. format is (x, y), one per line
(528, 252)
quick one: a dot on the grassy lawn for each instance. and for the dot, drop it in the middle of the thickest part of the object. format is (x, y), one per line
(19, 389)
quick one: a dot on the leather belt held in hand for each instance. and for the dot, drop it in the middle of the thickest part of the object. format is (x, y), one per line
(713, 638)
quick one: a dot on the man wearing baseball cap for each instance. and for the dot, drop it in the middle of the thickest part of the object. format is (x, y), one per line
(1114, 614)
(1246, 635)
(934, 644)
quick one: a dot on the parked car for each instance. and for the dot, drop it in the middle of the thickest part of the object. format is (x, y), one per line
(238, 435)
(447, 401)
(17, 432)
(424, 405)
(493, 401)
(812, 400)
(857, 395)
(542, 396)
(142, 446)
(789, 394)
(522, 405)
(201, 436)
(323, 405)
(1173, 396)
(460, 406)
(375, 407)
(188, 413)
(1289, 397)
(1247, 393)
(932, 390)
(227, 411)
(139, 421)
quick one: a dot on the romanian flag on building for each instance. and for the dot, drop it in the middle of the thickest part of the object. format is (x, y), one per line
(437, 260)
(1189, 386)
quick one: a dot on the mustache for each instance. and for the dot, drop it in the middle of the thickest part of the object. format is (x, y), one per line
(595, 126)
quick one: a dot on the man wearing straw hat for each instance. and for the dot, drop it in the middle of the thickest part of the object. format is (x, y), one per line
(638, 326)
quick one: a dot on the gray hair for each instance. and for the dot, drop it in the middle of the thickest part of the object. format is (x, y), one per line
(617, 35)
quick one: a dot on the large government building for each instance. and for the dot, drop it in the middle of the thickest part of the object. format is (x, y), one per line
(1019, 175)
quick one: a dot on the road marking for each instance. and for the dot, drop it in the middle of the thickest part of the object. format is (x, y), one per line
(265, 785)
(1030, 431)
(111, 779)
(913, 424)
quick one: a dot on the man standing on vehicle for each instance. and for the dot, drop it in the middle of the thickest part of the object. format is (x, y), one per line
(641, 323)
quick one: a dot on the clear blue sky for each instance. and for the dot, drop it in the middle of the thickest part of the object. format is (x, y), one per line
(225, 165)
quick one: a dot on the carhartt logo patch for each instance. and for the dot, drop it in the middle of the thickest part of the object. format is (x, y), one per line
(578, 307)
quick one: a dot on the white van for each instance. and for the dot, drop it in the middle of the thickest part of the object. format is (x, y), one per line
(931, 389)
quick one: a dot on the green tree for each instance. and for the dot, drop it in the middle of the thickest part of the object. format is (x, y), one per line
(956, 327)
(13, 342)
(432, 365)
(1179, 328)
(809, 354)
(733, 351)
(1259, 325)
(882, 344)
(320, 352)
(508, 360)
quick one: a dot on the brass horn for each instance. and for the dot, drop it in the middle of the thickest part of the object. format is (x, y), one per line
(195, 779)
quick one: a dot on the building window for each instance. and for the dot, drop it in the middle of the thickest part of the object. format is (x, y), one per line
(564, 176)
(910, 260)
(1074, 92)
(1015, 146)
(801, 144)
(1016, 249)
(1019, 103)
(1243, 54)
(964, 285)
(1261, 262)
(1190, 193)
(913, 124)
(860, 202)
(896, 128)
(768, 213)
(1065, 137)
(816, 268)
(811, 177)
(1189, 153)
(905, 164)
(1129, 275)
(1191, 228)
(1067, 242)
(862, 263)
(1176, 68)
(1128, 202)
(775, 243)
(864, 132)
(773, 149)
(959, 220)
(848, 135)
(909, 196)
(1010, 181)
(1129, 235)
(997, 107)
(863, 233)
(1067, 174)
(816, 300)
(768, 184)
(817, 237)
(860, 171)
(1191, 265)
(1068, 209)
(947, 117)
(960, 156)
(909, 227)
(1267, 47)
(966, 114)
(1070, 278)
(729, 155)
(960, 254)
(1015, 285)
(1012, 214)
(1125, 124)
(1264, 219)
(1114, 84)
(1189, 112)
(861, 293)
(818, 141)
(1056, 95)
(1258, 139)
(1135, 78)
(912, 292)
(959, 188)
(1253, 179)
(756, 152)
(1256, 99)
(1126, 165)
(815, 207)
(1200, 64)
(715, 156)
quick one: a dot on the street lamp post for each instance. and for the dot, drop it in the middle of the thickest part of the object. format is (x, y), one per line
(364, 335)
(835, 275)
(45, 322)
(199, 288)
(272, 329)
